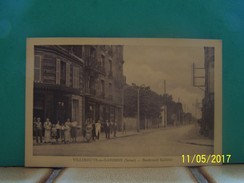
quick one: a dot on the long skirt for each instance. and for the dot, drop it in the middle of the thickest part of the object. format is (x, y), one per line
(73, 132)
(67, 135)
(47, 135)
(58, 134)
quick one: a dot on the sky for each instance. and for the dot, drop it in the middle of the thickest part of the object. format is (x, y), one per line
(151, 65)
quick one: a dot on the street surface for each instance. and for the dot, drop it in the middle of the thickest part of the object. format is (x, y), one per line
(171, 141)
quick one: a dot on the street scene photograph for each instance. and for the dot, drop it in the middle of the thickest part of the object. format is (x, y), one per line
(123, 100)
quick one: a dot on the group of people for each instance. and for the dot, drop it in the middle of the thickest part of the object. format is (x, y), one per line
(54, 133)
(66, 132)
(110, 128)
(91, 129)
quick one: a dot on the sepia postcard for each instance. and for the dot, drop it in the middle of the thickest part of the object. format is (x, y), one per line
(123, 102)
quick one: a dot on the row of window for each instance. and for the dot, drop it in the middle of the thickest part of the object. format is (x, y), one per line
(62, 76)
(99, 86)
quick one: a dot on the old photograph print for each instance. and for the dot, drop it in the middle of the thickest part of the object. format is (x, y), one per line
(121, 101)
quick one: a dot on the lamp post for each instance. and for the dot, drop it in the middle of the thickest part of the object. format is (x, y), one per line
(138, 102)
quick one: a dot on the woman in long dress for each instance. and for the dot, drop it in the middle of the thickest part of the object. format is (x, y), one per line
(98, 129)
(93, 131)
(73, 131)
(53, 134)
(62, 132)
(47, 127)
(67, 132)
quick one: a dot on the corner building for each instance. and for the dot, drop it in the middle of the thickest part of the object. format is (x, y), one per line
(58, 84)
(79, 82)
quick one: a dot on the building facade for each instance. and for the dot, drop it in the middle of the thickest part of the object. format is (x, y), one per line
(79, 82)
(58, 84)
(104, 83)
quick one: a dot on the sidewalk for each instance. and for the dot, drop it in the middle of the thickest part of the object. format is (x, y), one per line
(119, 134)
(81, 139)
(129, 133)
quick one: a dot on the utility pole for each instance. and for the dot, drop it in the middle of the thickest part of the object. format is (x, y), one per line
(179, 109)
(138, 88)
(195, 109)
(138, 109)
(164, 86)
(165, 106)
(123, 101)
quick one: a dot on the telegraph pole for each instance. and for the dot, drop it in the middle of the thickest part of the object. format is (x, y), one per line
(179, 109)
(164, 86)
(123, 101)
(165, 106)
(138, 109)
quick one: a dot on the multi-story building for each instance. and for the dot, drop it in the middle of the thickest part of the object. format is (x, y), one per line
(79, 82)
(207, 125)
(58, 84)
(104, 82)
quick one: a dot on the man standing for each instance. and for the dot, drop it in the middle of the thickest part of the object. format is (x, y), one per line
(107, 129)
(124, 128)
(58, 129)
(115, 128)
(39, 130)
(111, 127)
(94, 136)
(34, 129)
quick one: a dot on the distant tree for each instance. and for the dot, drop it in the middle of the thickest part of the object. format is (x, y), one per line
(150, 104)
(130, 101)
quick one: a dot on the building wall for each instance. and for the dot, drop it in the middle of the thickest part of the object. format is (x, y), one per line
(104, 81)
(58, 78)
(88, 79)
(130, 123)
(208, 101)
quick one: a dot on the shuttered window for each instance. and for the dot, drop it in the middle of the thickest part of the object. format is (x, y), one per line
(37, 68)
(67, 74)
(58, 71)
